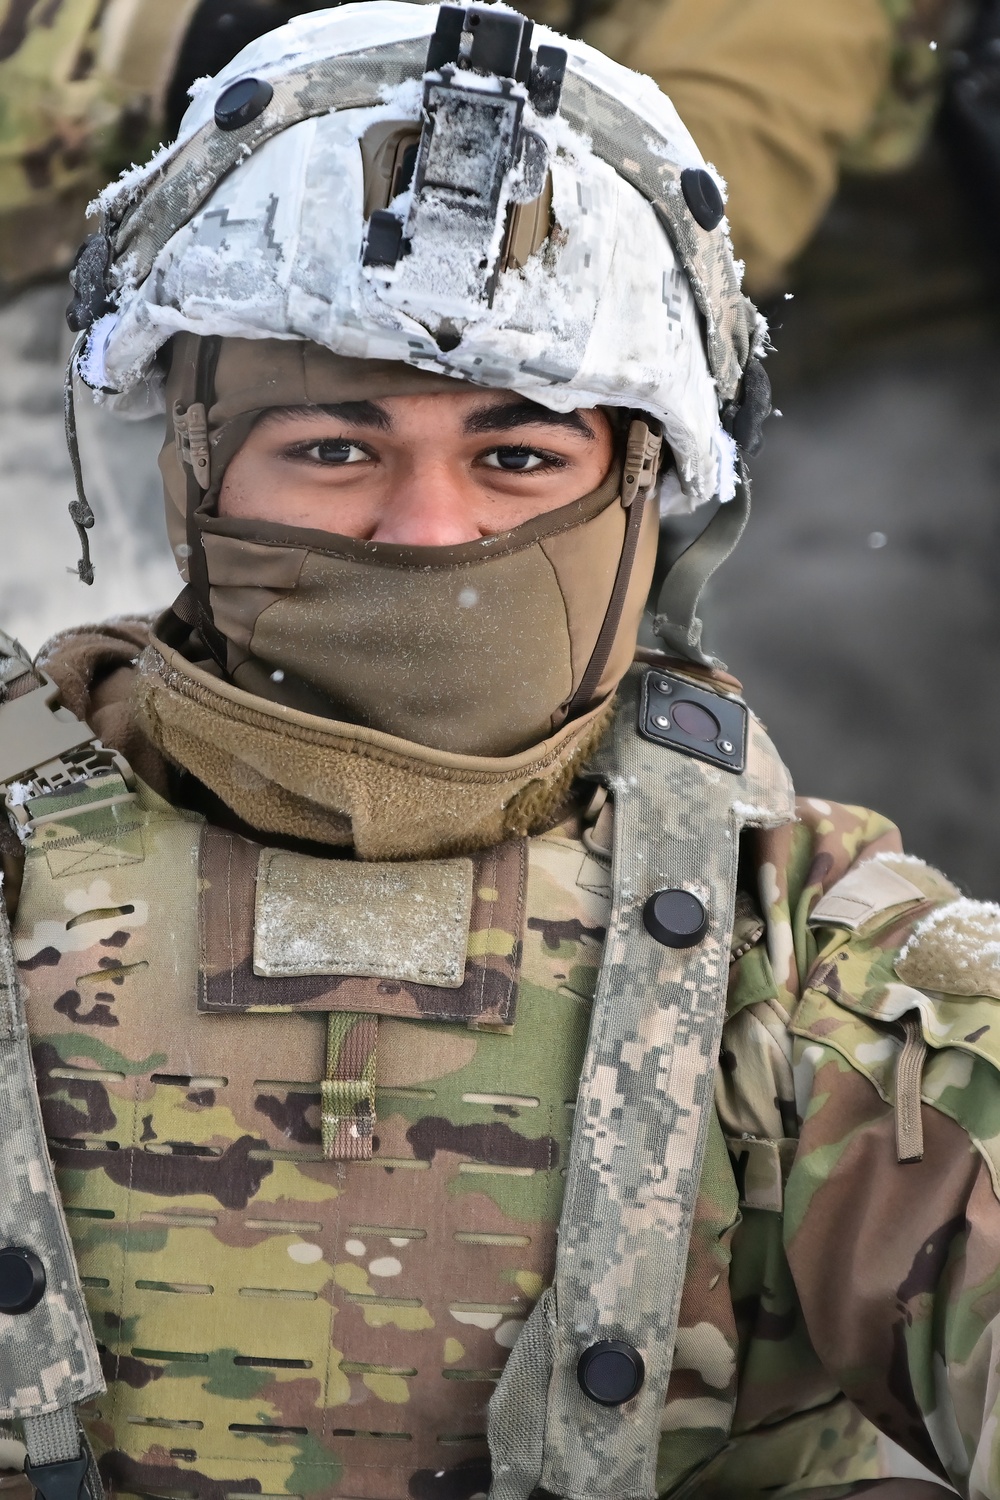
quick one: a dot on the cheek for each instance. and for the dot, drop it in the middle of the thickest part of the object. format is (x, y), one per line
(248, 487)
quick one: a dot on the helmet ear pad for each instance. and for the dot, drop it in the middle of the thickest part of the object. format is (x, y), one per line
(744, 418)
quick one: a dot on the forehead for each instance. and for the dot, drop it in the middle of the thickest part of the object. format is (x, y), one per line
(498, 408)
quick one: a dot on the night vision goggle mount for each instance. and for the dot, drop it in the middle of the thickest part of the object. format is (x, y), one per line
(474, 161)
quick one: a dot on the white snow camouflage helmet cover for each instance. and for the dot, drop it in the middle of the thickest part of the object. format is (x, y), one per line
(554, 230)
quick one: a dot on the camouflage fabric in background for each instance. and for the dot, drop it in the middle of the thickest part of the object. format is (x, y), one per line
(85, 91)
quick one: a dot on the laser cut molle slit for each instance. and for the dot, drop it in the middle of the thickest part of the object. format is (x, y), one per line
(358, 1367)
(171, 1356)
(503, 1101)
(284, 1226)
(179, 1424)
(268, 1362)
(289, 1294)
(188, 1081)
(181, 1148)
(474, 1237)
(76, 1143)
(184, 1288)
(182, 1220)
(272, 1429)
(87, 1075)
(100, 914)
(385, 1231)
(365, 1299)
(265, 1153)
(358, 1432)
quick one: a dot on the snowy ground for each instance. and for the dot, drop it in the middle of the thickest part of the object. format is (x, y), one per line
(862, 610)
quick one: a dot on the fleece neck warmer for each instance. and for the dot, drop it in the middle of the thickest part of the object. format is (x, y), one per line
(301, 776)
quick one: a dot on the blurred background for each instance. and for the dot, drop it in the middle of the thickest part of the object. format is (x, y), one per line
(861, 143)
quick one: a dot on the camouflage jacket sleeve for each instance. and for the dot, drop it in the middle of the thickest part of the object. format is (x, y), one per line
(890, 982)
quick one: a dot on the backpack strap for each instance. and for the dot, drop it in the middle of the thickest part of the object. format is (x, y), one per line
(577, 1410)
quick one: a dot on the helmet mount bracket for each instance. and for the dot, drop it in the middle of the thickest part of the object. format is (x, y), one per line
(480, 73)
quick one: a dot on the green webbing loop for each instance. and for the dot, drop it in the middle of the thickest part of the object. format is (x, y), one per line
(348, 1090)
(677, 623)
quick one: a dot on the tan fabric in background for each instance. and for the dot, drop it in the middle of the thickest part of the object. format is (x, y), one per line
(773, 91)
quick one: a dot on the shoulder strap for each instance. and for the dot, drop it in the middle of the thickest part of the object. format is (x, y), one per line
(577, 1410)
(48, 1357)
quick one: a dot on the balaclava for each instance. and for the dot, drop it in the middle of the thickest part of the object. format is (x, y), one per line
(485, 650)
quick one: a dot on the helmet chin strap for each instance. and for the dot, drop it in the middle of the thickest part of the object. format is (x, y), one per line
(79, 508)
(639, 474)
(677, 622)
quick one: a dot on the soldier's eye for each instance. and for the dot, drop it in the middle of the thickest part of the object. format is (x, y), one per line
(337, 451)
(517, 460)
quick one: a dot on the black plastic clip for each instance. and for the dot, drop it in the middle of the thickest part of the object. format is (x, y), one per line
(89, 280)
(545, 89)
(66, 1480)
(385, 244)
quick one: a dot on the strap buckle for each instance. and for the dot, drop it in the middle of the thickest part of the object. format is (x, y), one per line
(191, 438)
(642, 460)
(63, 1480)
(81, 781)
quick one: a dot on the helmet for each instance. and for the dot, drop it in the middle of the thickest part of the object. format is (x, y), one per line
(445, 187)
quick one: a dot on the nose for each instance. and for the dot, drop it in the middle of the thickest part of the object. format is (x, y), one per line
(431, 504)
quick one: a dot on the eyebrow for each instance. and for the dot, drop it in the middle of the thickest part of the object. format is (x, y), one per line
(504, 415)
(501, 416)
(356, 413)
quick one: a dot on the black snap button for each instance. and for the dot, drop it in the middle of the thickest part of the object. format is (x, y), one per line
(22, 1279)
(675, 918)
(242, 102)
(610, 1372)
(702, 196)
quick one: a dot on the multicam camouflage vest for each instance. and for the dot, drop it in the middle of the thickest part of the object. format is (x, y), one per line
(304, 1275)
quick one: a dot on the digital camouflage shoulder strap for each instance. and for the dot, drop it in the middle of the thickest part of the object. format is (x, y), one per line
(577, 1410)
(48, 1356)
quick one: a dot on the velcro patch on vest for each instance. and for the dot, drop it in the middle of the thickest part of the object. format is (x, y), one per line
(437, 940)
(383, 920)
(869, 890)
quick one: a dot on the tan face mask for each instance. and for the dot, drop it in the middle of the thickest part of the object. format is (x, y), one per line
(483, 649)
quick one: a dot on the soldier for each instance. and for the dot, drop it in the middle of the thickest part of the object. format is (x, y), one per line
(426, 999)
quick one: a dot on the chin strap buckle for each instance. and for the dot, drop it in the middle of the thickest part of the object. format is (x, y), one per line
(191, 437)
(642, 460)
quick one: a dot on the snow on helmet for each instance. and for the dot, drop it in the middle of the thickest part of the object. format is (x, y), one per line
(445, 186)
